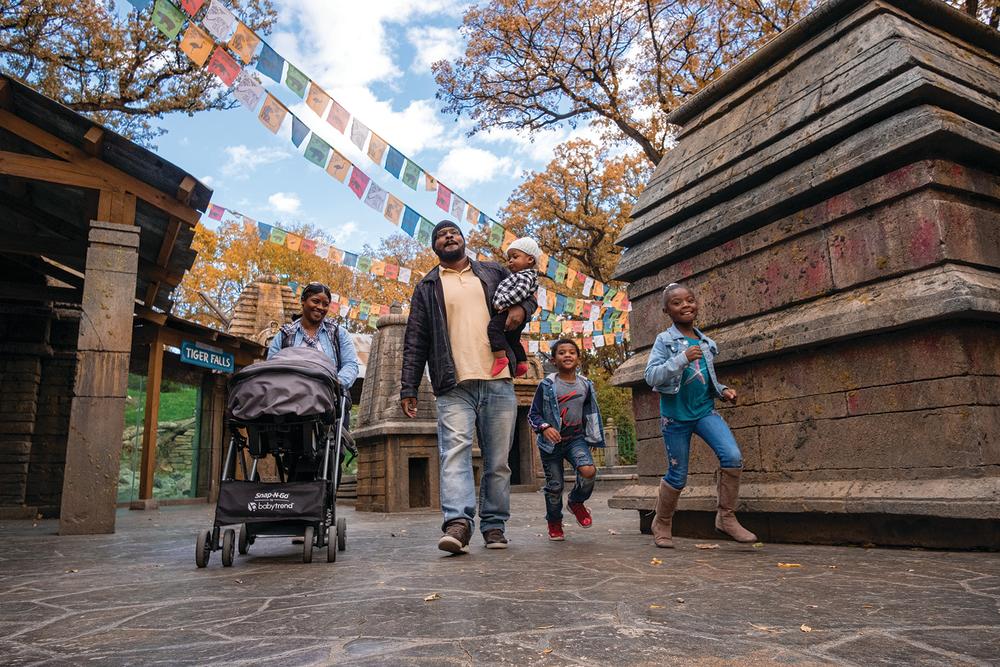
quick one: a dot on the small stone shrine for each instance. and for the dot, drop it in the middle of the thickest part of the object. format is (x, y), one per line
(262, 307)
(834, 201)
(398, 465)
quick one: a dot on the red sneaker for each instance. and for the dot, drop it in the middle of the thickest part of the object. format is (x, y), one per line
(521, 369)
(582, 514)
(556, 531)
(498, 366)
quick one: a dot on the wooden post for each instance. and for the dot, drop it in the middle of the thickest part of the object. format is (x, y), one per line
(151, 418)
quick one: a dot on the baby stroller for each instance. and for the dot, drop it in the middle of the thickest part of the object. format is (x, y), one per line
(290, 407)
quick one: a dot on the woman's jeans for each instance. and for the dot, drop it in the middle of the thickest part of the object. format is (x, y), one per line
(677, 438)
(487, 408)
(577, 452)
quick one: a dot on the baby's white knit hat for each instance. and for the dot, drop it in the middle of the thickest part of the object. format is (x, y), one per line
(527, 246)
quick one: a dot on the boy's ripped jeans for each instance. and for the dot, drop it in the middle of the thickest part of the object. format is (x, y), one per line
(677, 439)
(577, 452)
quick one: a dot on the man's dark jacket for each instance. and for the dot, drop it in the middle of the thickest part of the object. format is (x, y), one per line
(426, 338)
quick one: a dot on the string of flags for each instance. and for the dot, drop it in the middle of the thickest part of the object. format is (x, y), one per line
(227, 47)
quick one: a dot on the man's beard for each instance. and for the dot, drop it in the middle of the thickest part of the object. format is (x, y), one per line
(450, 255)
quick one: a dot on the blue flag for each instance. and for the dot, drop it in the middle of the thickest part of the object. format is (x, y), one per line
(299, 130)
(410, 219)
(394, 162)
(263, 231)
(350, 259)
(270, 64)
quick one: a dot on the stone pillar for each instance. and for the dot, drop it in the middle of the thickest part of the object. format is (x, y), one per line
(97, 414)
(834, 202)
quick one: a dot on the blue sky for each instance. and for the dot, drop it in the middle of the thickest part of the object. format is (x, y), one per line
(375, 59)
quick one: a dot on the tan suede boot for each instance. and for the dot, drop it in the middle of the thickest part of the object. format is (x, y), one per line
(729, 494)
(666, 503)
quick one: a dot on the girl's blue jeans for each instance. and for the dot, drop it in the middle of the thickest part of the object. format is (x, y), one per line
(577, 452)
(677, 438)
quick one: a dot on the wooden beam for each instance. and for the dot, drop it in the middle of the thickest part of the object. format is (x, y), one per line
(78, 157)
(154, 376)
(151, 271)
(93, 142)
(169, 239)
(186, 189)
(151, 315)
(5, 94)
(152, 289)
(23, 292)
(50, 171)
(62, 250)
(116, 207)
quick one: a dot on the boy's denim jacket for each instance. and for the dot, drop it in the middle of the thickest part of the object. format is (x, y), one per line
(545, 410)
(667, 361)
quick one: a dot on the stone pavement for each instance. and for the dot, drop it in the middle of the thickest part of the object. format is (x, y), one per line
(600, 598)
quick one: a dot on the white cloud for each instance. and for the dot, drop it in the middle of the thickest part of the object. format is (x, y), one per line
(343, 233)
(284, 202)
(466, 166)
(433, 44)
(210, 181)
(241, 160)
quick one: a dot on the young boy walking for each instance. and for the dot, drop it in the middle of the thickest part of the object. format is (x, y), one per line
(565, 416)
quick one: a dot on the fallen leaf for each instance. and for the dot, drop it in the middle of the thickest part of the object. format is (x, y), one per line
(758, 545)
(680, 600)
(832, 567)
(764, 628)
(789, 565)
(656, 562)
(706, 546)
(612, 531)
(432, 596)
(544, 627)
(656, 606)
(239, 581)
(70, 571)
(548, 650)
(805, 628)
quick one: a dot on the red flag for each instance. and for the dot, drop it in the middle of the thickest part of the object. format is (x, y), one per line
(444, 197)
(215, 212)
(358, 183)
(222, 65)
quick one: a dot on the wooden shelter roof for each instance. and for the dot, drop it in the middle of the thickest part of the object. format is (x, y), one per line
(58, 171)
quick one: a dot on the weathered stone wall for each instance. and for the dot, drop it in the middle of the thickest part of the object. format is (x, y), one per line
(834, 201)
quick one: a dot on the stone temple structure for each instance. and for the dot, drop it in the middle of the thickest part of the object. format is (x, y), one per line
(262, 307)
(834, 200)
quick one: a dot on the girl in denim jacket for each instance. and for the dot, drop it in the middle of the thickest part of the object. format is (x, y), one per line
(565, 416)
(680, 369)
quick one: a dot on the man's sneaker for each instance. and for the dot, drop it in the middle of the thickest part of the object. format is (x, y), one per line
(582, 514)
(456, 537)
(495, 539)
(556, 531)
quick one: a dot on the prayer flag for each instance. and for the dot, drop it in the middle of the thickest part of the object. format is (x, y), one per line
(619, 337)
(443, 197)
(322, 250)
(358, 182)
(378, 266)
(248, 90)
(508, 238)
(338, 116)
(244, 42)
(545, 327)
(359, 133)
(567, 326)
(376, 148)
(299, 131)
(457, 207)
(270, 64)
(394, 162)
(196, 44)
(339, 166)
(410, 220)
(167, 18)
(577, 327)
(376, 197)
(424, 231)
(317, 151)
(296, 81)
(364, 265)
(336, 255)
(293, 241)
(215, 212)
(598, 341)
(404, 274)
(383, 310)
(393, 209)
(496, 235)
(543, 263)
(430, 183)
(411, 172)
(219, 21)
(223, 66)
(533, 347)
(317, 99)
(598, 288)
(472, 214)
(560, 303)
(277, 236)
(263, 231)
(570, 276)
(588, 285)
(543, 296)
(350, 259)
(588, 343)
(391, 270)
(560, 272)
(272, 113)
(550, 269)
(482, 218)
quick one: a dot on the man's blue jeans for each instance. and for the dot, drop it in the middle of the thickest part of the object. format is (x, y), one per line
(677, 438)
(577, 452)
(487, 408)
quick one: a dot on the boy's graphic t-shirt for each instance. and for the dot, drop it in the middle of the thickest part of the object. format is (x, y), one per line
(570, 396)
(694, 400)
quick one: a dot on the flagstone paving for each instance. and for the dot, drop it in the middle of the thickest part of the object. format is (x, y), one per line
(605, 596)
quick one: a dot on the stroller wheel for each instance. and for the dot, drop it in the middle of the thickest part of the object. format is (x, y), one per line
(243, 545)
(307, 544)
(341, 534)
(203, 548)
(331, 545)
(228, 545)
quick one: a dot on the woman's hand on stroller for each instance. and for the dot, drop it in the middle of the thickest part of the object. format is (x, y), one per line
(409, 405)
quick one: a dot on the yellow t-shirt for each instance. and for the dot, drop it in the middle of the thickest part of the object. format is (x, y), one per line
(468, 315)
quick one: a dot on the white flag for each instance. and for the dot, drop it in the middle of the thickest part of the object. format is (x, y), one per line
(219, 21)
(598, 341)
(248, 89)
(533, 346)
(588, 284)
(404, 275)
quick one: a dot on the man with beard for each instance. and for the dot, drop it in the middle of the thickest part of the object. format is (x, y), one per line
(446, 329)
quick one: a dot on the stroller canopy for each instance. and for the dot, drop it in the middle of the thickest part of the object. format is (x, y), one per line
(297, 381)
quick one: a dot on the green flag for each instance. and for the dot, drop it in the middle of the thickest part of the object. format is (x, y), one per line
(496, 235)
(411, 173)
(168, 18)
(317, 151)
(424, 231)
(296, 81)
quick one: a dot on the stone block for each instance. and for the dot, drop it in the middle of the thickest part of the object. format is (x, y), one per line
(925, 395)
(108, 301)
(102, 374)
(792, 410)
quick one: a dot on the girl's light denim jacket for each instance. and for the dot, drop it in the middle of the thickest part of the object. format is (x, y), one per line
(668, 360)
(545, 410)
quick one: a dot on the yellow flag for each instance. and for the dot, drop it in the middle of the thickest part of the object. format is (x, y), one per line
(197, 44)
(272, 112)
(376, 148)
(317, 99)
(243, 42)
(378, 267)
(338, 166)
(393, 210)
(293, 241)
(430, 183)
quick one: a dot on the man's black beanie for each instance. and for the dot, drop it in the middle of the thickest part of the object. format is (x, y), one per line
(443, 225)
